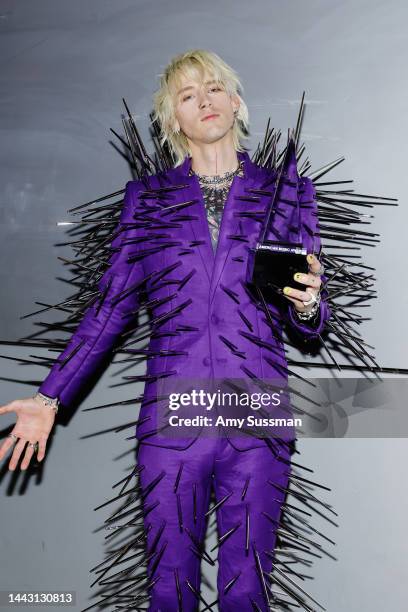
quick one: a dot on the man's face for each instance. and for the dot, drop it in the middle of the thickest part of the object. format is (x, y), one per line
(198, 99)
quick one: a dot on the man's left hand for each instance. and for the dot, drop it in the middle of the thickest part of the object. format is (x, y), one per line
(312, 287)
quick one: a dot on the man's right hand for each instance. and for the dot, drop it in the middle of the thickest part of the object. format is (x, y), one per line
(34, 423)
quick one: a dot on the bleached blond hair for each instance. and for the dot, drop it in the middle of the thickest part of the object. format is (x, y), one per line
(194, 64)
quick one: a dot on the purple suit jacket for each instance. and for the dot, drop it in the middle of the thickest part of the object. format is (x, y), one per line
(205, 323)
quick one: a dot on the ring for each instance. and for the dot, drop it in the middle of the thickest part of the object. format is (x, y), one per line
(33, 445)
(313, 299)
(11, 435)
(319, 272)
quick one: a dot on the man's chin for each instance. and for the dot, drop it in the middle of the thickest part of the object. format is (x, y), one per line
(213, 136)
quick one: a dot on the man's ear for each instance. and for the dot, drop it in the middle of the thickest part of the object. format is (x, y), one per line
(235, 102)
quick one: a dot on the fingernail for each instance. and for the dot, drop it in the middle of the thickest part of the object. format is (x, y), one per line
(310, 258)
(286, 290)
(297, 276)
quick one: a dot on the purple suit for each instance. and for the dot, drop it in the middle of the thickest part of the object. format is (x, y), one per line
(205, 324)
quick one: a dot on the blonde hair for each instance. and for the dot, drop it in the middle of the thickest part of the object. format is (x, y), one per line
(194, 63)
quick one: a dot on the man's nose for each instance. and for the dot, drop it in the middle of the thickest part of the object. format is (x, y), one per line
(204, 99)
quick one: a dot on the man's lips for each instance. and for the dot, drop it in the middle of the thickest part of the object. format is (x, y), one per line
(209, 117)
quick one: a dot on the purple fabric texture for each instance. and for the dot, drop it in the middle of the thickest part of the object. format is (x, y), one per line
(249, 488)
(202, 307)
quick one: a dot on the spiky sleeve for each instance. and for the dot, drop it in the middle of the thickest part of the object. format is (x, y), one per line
(108, 316)
(311, 241)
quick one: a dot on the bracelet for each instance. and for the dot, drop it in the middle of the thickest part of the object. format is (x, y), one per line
(306, 316)
(52, 402)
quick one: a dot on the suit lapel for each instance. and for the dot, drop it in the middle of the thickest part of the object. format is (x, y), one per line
(214, 262)
(229, 225)
(201, 231)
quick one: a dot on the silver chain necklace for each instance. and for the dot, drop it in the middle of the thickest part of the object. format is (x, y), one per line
(218, 181)
(215, 191)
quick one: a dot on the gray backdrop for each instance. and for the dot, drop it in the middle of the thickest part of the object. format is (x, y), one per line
(65, 68)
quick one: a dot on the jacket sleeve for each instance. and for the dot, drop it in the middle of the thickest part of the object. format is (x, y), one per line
(105, 319)
(311, 240)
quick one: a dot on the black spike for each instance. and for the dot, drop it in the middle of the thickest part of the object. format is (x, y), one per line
(180, 470)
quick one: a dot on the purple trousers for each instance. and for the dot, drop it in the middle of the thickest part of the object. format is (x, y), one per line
(249, 491)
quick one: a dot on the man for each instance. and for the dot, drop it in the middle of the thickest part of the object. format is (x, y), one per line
(205, 324)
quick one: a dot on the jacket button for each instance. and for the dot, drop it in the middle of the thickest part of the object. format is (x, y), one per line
(206, 361)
